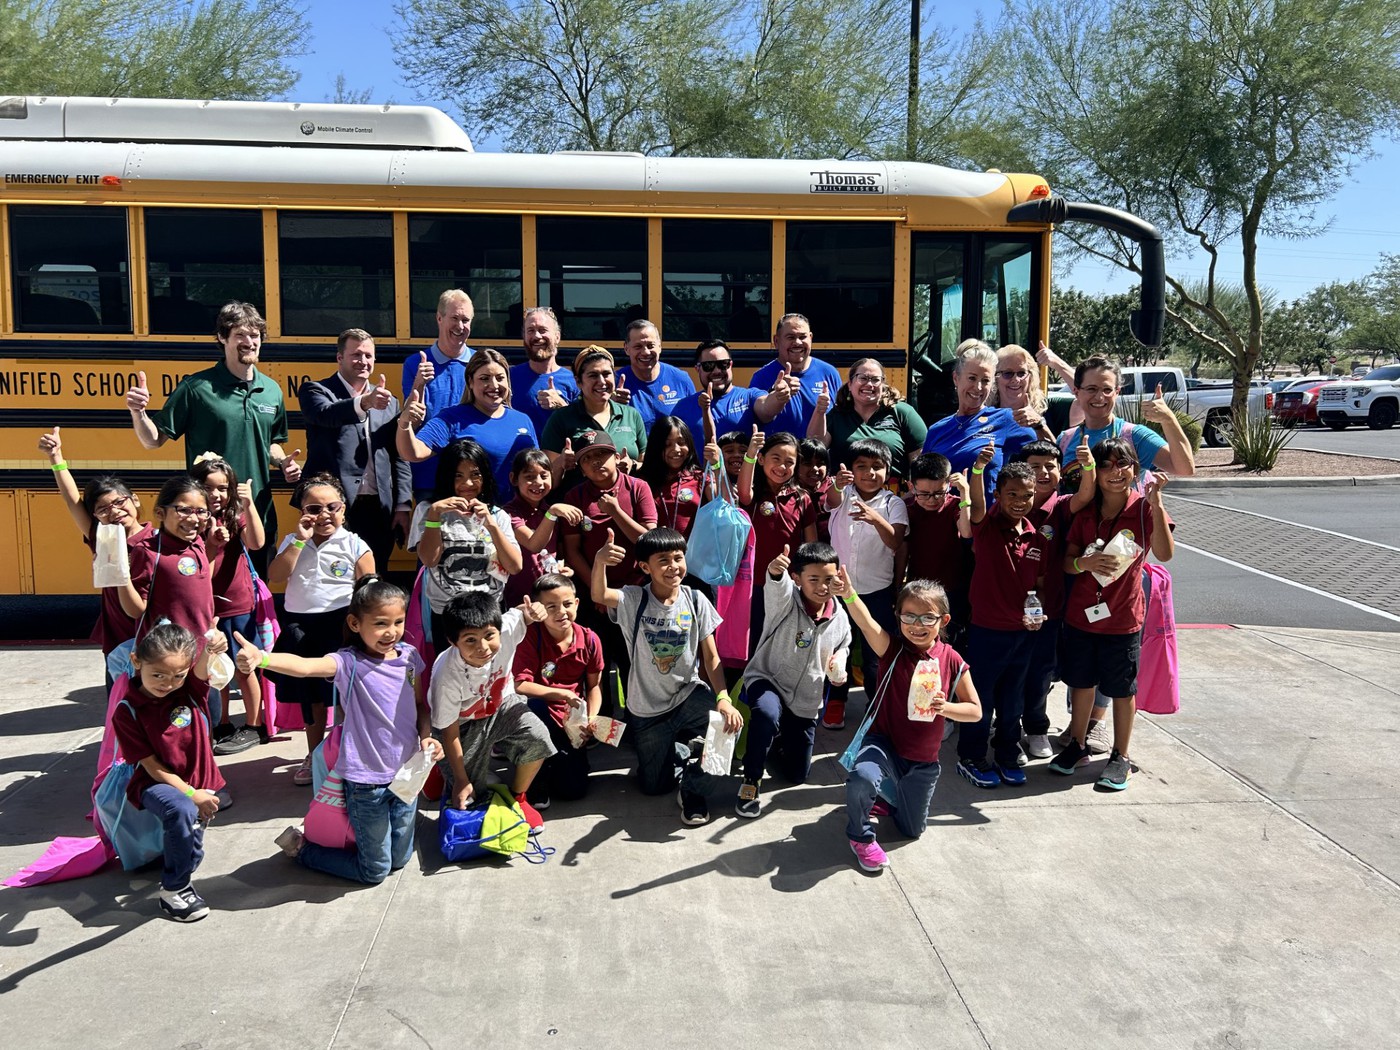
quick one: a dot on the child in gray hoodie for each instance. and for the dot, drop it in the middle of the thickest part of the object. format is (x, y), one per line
(806, 637)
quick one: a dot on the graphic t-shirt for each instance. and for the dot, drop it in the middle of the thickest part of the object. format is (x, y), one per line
(665, 648)
(469, 560)
(460, 691)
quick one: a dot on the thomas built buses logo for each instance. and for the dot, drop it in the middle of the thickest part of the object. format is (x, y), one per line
(847, 182)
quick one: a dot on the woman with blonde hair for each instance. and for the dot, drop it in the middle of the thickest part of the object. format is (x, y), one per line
(1018, 388)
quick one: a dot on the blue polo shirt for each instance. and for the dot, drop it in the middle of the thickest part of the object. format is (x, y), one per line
(526, 383)
(732, 411)
(797, 413)
(444, 391)
(501, 437)
(962, 438)
(660, 396)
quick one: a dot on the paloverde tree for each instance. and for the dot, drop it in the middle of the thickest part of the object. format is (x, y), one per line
(1218, 120)
(226, 49)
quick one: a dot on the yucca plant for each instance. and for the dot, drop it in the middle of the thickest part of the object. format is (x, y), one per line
(1255, 440)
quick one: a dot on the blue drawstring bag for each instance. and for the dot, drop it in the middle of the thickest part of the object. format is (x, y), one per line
(718, 537)
(135, 834)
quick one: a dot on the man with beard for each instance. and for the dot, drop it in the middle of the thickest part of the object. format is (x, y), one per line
(231, 408)
(540, 385)
(438, 373)
(734, 407)
(350, 421)
(649, 386)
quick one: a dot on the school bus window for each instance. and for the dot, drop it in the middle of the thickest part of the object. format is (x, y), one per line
(337, 272)
(196, 261)
(592, 272)
(717, 278)
(936, 304)
(1007, 291)
(71, 271)
(841, 276)
(479, 254)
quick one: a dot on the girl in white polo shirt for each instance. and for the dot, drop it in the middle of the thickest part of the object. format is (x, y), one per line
(319, 561)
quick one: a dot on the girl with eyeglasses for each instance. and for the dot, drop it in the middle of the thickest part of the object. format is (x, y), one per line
(922, 681)
(170, 576)
(105, 500)
(319, 561)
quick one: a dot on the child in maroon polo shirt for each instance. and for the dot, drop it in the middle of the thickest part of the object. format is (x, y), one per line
(937, 542)
(1103, 620)
(1009, 563)
(559, 667)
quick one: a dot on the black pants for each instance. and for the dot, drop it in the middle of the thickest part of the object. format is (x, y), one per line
(370, 520)
(564, 775)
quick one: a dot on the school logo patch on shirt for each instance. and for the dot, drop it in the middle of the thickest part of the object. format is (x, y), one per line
(767, 508)
(1048, 531)
(188, 566)
(340, 568)
(586, 525)
(685, 495)
(548, 669)
(181, 717)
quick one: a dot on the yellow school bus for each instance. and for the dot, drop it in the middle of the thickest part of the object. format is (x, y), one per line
(126, 223)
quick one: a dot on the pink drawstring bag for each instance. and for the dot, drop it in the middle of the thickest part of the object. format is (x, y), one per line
(734, 603)
(328, 818)
(1159, 683)
(276, 717)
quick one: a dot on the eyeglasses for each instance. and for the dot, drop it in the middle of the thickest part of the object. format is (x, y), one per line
(318, 509)
(922, 619)
(191, 512)
(866, 378)
(1021, 374)
(107, 508)
(924, 496)
(716, 366)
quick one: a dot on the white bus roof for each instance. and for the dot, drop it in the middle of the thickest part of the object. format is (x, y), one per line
(253, 123)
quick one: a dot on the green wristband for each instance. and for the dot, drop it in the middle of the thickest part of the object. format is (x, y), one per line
(964, 503)
(750, 459)
(187, 791)
(1091, 465)
(267, 659)
(299, 544)
(849, 598)
(1076, 566)
(432, 524)
(549, 515)
(978, 470)
(60, 465)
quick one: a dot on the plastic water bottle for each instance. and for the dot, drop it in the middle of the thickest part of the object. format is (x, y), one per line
(1034, 614)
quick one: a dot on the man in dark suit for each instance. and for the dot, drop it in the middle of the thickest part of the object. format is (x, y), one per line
(350, 425)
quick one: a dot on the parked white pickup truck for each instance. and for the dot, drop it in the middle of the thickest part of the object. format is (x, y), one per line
(1208, 406)
(1374, 400)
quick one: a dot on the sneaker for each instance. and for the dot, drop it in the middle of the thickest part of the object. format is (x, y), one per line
(532, 814)
(694, 809)
(183, 905)
(834, 717)
(222, 731)
(302, 776)
(290, 841)
(1100, 739)
(1064, 738)
(979, 772)
(1115, 774)
(748, 803)
(1075, 754)
(540, 802)
(1011, 774)
(263, 735)
(241, 739)
(1038, 745)
(869, 855)
(1021, 758)
(225, 797)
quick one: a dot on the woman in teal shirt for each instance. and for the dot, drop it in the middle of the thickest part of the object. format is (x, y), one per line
(869, 408)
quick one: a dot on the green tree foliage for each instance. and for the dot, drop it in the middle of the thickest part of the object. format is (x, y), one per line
(1218, 120)
(1375, 311)
(227, 49)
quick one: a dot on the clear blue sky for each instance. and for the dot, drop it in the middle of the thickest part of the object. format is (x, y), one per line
(353, 37)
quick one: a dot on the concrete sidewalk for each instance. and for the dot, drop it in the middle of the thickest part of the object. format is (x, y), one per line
(1241, 894)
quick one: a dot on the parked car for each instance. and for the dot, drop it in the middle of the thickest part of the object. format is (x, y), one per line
(1209, 406)
(1296, 404)
(1374, 400)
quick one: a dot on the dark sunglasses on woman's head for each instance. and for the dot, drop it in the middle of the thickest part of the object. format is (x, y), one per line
(716, 366)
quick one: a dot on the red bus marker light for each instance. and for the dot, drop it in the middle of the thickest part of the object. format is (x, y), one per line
(112, 181)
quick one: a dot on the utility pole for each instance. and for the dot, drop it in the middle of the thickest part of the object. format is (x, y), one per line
(911, 133)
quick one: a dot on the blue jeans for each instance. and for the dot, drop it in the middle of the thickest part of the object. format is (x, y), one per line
(184, 834)
(999, 661)
(383, 825)
(770, 720)
(663, 745)
(914, 784)
(1040, 676)
(244, 625)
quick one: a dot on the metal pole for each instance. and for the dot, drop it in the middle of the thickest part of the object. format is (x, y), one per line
(911, 134)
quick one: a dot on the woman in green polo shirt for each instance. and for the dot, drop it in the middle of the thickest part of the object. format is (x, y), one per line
(593, 409)
(868, 407)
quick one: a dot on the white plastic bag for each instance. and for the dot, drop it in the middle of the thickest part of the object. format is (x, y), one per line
(111, 565)
(718, 758)
(220, 666)
(411, 776)
(835, 665)
(1122, 546)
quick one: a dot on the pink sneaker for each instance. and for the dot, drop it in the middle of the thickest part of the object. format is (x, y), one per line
(869, 855)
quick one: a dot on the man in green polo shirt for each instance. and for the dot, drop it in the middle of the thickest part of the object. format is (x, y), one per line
(231, 408)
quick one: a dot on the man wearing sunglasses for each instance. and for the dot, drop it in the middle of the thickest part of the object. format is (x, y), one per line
(734, 407)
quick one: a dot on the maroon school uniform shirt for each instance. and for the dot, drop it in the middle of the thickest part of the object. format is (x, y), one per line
(539, 658)
(634, 496)
(776, 521)
(232, 579)
(677, 501)
(1127, 604)
(929, 672)
(1008, 560)
(113, 625)
(174, 578)
(1052, 520)
(936, 551)
(174, 730)
(523, 512)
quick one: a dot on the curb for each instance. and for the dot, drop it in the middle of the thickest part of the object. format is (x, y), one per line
(1271, 482)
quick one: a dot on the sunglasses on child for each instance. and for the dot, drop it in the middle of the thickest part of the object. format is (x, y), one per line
(922, 619)
(318, 509)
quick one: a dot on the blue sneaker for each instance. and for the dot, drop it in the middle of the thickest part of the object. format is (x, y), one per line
(979, 772)
(1012, 774)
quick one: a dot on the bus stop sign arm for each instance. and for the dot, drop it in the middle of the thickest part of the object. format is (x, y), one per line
(1147, 320)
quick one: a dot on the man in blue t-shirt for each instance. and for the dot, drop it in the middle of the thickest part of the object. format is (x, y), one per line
(540, 385)
(439, 372)
(734, 407)
(652, 388)
(795, 378)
